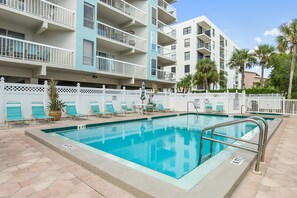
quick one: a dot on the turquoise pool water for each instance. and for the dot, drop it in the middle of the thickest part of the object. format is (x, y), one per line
(169, 145)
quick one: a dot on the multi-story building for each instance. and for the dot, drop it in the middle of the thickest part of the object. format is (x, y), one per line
(199, 38)
(111, 42)
(251, 79)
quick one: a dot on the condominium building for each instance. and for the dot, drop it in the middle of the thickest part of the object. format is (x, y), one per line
(197, 39)
(96, 42)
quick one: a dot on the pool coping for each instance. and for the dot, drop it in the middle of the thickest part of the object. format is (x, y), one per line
(224, 178)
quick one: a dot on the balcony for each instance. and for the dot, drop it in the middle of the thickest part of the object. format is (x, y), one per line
(119, 40)
(33, 12)
(36, 53)
(121, 13)
(166, 34)
(204, 48)
(164, 75)
(120, 68)
(204, 35)
(166, 57)
(166, 12)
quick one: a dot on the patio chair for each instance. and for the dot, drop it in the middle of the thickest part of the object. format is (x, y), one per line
(110, 109)
(125, 108)
(220, 107)
(149, 109)
(208, 107)
(71, 111)
(160, 107)
(14, 113)
(38, 112)
(96, 110)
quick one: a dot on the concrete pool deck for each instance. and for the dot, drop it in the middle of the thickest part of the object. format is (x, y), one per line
(29, 168)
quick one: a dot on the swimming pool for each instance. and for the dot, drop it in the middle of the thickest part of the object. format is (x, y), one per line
(168, 145)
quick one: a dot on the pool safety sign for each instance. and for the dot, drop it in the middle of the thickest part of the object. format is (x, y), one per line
(238, 160)
(68, 146)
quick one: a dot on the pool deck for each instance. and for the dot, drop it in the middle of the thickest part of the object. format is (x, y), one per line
(28, 168)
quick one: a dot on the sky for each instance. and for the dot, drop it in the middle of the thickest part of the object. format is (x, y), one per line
(247, 22)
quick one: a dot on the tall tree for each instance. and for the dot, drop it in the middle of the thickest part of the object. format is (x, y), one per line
(223, 79)
(263, 54)
(240, 60)
(287, 40)
(206, 73)
(185, 83)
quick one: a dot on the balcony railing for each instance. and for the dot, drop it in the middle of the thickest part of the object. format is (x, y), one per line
(162, 51)
(121, 36)
(113, 66)
(128, 9)
(204, 45)
(166, 29)
(205, 32)
(167, 7)
(43, 9)
(36, 52)
(164, 75)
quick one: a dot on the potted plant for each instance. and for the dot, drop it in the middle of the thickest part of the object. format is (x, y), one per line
(55, 105)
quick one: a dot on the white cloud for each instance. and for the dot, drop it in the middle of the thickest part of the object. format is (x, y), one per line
(258, 39)
(272, 32)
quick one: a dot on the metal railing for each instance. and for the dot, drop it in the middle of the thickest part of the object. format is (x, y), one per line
(164, 75)
(127, 9)
(162, 51)
(121, 36)
(25, 50)
(43, 9)
(166, 29)
(167, 7)
(262, 140)
(204, 45)
(196, 108)
(204, 32)
(113, 66)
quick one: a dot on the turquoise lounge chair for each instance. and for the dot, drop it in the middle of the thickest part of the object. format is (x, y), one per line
(14, 113)
(110, 109)
(220, 107)
(71, 111)
(149, 108)
(125, 108)
(160, 107)
(96, 110)
(38, 112)
(208, 107)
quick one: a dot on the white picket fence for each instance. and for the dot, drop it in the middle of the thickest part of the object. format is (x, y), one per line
(82, 96)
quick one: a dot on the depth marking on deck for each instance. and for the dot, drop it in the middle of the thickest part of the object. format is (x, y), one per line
(68, 146)
(238, 159)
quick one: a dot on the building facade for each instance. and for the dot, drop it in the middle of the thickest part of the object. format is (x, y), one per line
(199, 38)
(96, 42)
(252, 79)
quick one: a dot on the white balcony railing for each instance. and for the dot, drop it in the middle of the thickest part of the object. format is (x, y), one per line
(127, 9)
(203, 45)
(43, 9)
(166, 29)
(162, 51)
(36, 52)
(113, 66)
(163, 75)
(167, 7)
(121, 36)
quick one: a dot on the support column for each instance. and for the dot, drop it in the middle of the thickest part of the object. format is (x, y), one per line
(2, 100)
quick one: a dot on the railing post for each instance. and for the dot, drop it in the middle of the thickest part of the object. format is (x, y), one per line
(258, 100)
(243, 98)
(227, 101)
(284, 105)
(2, 98)
(124, 94)
(103, 97)
(45, 96)
(77, 95)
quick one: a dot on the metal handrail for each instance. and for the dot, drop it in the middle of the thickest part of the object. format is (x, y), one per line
(193, 104)
(212, 128)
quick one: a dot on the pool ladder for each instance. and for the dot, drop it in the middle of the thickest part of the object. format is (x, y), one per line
(193, 104)
(262, 141)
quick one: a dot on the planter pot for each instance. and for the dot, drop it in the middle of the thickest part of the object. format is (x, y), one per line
(55, 114)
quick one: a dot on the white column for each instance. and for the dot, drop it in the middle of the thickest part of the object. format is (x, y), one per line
(284, 105)
(103, 98)
(124, 94)
(2, 100)
(45, 94)
(227, 101)
(78, 97)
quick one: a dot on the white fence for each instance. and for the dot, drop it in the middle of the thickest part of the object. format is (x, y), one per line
(82, 96)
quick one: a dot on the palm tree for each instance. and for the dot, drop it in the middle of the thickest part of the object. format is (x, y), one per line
(206, 73)
(240, 60)
(287, 40)
(185, 83)
(223, 80)
(263, 53)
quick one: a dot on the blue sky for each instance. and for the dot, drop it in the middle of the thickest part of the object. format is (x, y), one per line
(247, 22)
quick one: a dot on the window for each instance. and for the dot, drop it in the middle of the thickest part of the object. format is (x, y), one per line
(187, 69)
(105, 62)
(213, 32)
(154, 41)
(187, 30)
(89, 16)
(88, 47)
(154, 16)
(153, 67)
(173, 47)
(173, 56)
(187, 42)
(173, 69)
(187, 56)
(15, 35)
(226, 42)
(213, 45)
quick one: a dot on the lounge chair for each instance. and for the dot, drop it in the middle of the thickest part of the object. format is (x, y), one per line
(14, 113)
(125, 108)
(71, 111)
(38, 112)
(149, 108)
(96, 110)
(110, 109)
(160, 107)
(208, 107)
(220, 107)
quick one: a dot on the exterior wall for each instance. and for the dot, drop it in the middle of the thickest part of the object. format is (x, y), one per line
(215, 51)
(250, 78)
